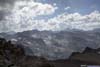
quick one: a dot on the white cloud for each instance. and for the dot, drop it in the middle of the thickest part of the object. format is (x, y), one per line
(23, 13)
(70, 21)
(76, 21)
(31, 8)
(67, 8)
(54, 4)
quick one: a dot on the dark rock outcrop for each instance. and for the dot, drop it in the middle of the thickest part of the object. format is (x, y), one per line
(12, 55)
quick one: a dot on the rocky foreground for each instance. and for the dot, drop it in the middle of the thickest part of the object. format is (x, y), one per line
(12, 55)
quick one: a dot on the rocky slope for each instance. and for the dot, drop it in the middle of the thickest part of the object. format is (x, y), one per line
(12, 55)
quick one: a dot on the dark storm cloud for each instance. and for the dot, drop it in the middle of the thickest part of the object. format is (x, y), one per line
(5, 2)
(5, 7)
(9, 2)
(1, 15)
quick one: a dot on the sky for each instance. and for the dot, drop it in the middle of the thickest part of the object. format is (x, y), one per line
(51, 15)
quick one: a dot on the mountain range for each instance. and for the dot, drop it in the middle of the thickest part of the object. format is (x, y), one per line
(54, 44)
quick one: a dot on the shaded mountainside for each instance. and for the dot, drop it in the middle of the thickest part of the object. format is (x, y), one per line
(12, 55)
(55, 45)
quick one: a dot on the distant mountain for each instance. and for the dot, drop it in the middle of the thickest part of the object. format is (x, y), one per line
(55, 45)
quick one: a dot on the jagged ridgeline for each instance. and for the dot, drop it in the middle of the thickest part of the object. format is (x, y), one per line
(12, 55)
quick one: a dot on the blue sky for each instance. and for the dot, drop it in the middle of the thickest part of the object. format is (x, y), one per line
(83, 7)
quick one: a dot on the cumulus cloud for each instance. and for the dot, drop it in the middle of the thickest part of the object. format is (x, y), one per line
(33, 8)
(71, 21)
(77, 21)
(61, 22)
(21, 18)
